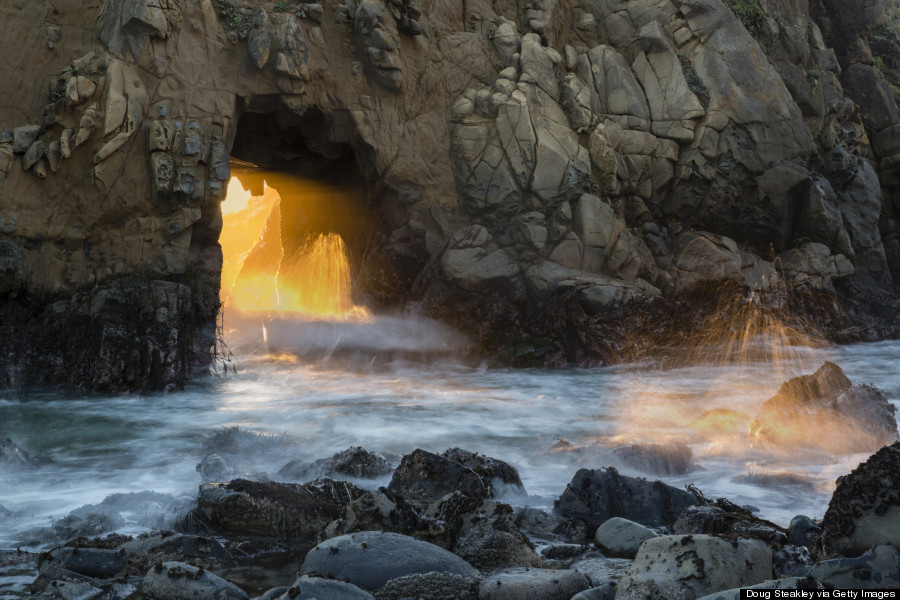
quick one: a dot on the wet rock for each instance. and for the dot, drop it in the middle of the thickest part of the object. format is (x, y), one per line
(434, 586)
(594, 496)
(175, 580)
(89, 525)
(621, 538)
(864, 510)
(70, 590)
(352, 462)
(93, 562)
(545, 525)
(423, 477)
(295, 513)
(180, 547)
(686, 566)
(602, 571)
(791, 561)
(803, 531)
(825, 411)
(369, 559)
(502, 477)
(274, 593)
(384, 510)
(788, 583)
(879, 567)
(698, 519)
(606, 591)
(484, 532)
(215, 468)
(535, 584)
(673, 458)
(317, 588)
(725, 517)
(563, 552)
(13, 456)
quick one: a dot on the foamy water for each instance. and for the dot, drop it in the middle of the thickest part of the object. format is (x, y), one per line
(91, 447)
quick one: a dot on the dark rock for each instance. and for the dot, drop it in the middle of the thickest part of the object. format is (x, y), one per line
(434, 586)
(175, 581)
(384, 510)
(70, 590)
(93, 562)
(621, 538)
(484, 533)
(369, 559)
(295, 513)
(534, 584)
(865, 86)
(864, 510)
(423, 477)
(803, 531)
(90, 525)
(13, 456)
(595, 496)
(51, 572)
(657, 459)
(563, 551)
(601, 571)
(316, 588)
(791, 561)
(877, 568)
(542, 524)
(697, 519)
(502, 477)
(24, 137)
(825, 411)
(352, 462)
(725, 517)
(179, 547)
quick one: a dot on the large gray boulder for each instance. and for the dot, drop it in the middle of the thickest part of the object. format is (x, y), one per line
(864, 510)
(317, 588)
(879, 567)
(435, 586)
(688, 566)
(534, 584)
(594, 496)
(176, 581)
(621, 538)
(369, 559)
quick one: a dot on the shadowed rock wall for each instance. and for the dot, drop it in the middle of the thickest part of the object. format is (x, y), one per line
(595, 151)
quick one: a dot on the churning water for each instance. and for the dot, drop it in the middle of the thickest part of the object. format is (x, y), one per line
(546, 423)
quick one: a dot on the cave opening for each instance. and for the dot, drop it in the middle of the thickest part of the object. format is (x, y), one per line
(296, 222)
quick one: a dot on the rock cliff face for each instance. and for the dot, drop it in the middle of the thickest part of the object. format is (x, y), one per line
(519, 156)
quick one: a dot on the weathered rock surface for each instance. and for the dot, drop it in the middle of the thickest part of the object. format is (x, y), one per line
(352, 462)
(439, 586)
(825, 411)
(369, 559)
(864, 510)
(423, 478)
(317, 588)
(878, 567)
(692, 566)
(526, 165)
(621, 538)
(539, 584)
(174, 580)
(594, 496)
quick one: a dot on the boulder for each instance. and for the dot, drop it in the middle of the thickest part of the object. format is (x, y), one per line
(179, 547)
(534, 584)
(594, 496)
(384, 510)
(502, 477)
(671, 458)
(435, 586)
(825, 411)
(602, 571)
(788, 583)
(369, 559)
(317, 588)
(865, 508)
(175, 580)
(688, 566)
(352, 462)
(295, 513)
(803, 531)
(725, 517)
(879, 567)
(621, 538)
(93, 562)
(423, 477)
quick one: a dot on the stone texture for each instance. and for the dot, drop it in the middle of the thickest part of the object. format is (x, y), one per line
(692, 566)
(174, 580)
(621, 538)
(537, 584)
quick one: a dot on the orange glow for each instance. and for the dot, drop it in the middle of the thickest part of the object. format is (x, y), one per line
(313, 282)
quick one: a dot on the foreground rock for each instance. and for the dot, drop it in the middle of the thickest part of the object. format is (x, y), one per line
(316, 588)
(865, 508)
(594, 496)
(292, 513)
(423, 477)
(686, 566)
(353, 462)
(369, 559)
(175, 581)
(621, 538)
(877, 568)
(825, 411)
(439, 586)
(789, 583)
(534, 584)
